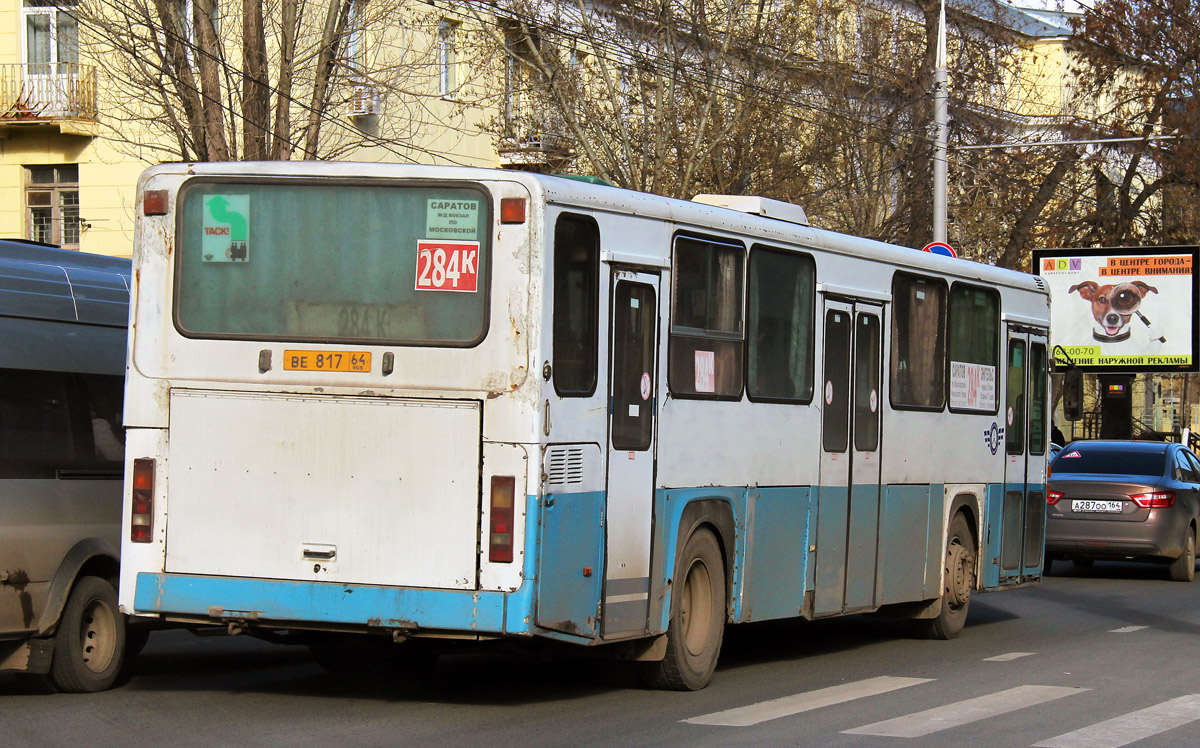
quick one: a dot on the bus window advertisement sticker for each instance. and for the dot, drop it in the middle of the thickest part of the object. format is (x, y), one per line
(451, 219)
(447, 266)
(225, 227)
(706, 379)
(972, 386)
(645, 385)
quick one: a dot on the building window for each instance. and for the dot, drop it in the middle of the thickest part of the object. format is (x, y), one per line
(51, 36)
(447, 57)
(52, 198)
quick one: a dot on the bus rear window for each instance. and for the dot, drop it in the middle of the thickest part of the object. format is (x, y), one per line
(359, 262)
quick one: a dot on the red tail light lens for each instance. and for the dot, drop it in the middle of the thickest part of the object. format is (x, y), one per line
(1053, 497)
(142, 516)
(500, 545)
(1157, 500)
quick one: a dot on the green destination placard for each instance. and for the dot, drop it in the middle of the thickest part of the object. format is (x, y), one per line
(446, 219)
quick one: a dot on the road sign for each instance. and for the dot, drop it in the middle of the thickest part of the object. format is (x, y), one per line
(940, 248)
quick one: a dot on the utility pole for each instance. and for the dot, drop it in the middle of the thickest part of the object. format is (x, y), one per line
(941, 123)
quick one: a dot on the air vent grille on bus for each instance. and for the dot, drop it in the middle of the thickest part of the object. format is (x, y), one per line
(1041, 284)
(565, 465)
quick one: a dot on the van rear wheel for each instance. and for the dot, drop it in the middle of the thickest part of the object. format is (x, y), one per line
(697, 623)
(90, 641)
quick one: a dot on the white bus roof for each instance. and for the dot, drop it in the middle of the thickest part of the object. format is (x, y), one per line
(565, 190)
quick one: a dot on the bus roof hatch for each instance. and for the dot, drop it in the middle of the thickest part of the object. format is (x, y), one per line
(762, 206)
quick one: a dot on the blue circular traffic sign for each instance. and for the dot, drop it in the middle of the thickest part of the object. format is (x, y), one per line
(940, 248)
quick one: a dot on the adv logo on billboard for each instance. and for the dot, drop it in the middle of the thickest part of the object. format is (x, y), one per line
(1062, 264)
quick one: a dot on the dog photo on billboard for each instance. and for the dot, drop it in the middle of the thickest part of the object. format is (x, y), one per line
(1113, 306)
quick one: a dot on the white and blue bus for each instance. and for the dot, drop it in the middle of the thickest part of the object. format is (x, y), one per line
(439, 402)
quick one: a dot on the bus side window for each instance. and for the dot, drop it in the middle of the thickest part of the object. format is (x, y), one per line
(974, 348)
(918, 351)
(779, 357)
(576, 305)
(706, 343)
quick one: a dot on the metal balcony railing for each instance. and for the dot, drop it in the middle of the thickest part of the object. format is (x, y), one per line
(47, 91)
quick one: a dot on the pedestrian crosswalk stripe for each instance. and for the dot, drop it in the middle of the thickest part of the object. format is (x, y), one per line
(1007, 657)
(803, 702)
(1127, 629)
(964, 712)
(1131, 727)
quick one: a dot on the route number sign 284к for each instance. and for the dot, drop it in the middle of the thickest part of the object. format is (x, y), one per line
(444, 265)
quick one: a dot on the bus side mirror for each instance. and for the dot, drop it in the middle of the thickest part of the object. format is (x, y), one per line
(1073, 394)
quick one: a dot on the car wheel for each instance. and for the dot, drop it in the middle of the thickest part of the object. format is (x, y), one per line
(697, 622)
(1183, 569)
(90, 642)
(959, 581)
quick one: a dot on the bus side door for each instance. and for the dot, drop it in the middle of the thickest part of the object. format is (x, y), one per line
(633, 410)
(1023, 523)
(848, 496)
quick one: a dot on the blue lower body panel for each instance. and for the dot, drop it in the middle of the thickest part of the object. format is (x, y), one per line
(321, 602)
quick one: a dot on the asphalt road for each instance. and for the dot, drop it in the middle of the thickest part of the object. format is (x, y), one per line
(1106, 656)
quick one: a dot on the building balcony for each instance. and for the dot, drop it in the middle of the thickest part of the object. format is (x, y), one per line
(533, 141)
(57, 94)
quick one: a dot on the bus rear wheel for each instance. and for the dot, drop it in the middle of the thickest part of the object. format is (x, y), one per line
(697, 623)
(959, 579)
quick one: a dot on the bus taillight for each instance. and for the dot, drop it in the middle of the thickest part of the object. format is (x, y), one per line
(141, 522)
(500, 546)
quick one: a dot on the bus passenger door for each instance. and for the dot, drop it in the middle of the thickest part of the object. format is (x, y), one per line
(1023, 524)
(848, 495)
(633, 386)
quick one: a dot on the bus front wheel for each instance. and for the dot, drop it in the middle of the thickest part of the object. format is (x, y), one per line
(697, 622)
(959, 579)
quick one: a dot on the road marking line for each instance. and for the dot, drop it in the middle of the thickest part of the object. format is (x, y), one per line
(1007, 657)
(1131, 727)
(965, 712)
(763, 711)
(1127, 629)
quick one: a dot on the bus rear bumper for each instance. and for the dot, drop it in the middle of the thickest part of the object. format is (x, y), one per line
(323, 604)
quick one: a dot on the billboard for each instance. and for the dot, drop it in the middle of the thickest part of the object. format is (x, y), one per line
(1126, 309)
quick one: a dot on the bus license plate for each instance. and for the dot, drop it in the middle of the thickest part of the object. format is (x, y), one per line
(1112, 507)
(327, 361)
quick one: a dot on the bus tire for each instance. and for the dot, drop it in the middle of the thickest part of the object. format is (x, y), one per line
(959, 579)
(90, 641)
(697, 623)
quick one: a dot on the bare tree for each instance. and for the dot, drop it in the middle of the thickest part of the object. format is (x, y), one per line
(266, 79)
(1139, 64)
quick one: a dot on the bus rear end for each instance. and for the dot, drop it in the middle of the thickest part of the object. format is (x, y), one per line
(327, 425)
